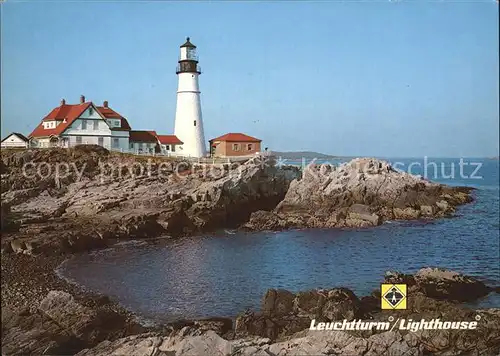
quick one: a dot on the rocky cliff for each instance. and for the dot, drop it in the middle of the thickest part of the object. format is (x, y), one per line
(68, 200)
(363, 192)
(61, 200)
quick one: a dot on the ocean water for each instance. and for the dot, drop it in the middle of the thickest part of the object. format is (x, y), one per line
(223, 274)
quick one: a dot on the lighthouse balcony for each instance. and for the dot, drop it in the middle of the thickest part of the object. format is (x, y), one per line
(188, 67)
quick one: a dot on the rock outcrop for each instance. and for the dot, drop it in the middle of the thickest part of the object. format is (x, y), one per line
(284, 313)
(442, 284)
(363, 192)
(282, 327)
(69, 200)
(304, 343)
(60, 326)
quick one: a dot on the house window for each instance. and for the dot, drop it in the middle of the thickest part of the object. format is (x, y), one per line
(194, 122)
(236, 146)
(49, 125)
(131, 145)
(78, 140)
(100, 140)
(84, 124)
(115, 143)
(96, 125)
(249, 147)
(173, 148)
(167, 147)
(91, 110)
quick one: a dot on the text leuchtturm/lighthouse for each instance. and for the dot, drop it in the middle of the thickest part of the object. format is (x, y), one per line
(188, 118)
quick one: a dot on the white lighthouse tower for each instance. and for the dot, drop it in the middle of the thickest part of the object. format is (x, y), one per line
(188, 119)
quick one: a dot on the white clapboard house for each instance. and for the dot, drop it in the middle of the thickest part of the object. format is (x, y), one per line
(83, 123)
(15, 140)
(86, 123)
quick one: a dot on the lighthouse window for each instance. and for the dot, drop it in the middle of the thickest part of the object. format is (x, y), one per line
(194, 122)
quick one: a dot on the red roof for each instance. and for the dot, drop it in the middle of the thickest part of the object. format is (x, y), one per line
(236, 137)
(169, 140)
(70, 113)
(143, 136)
(109, 113)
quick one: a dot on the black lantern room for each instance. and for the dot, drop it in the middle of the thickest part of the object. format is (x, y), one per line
(188, 61)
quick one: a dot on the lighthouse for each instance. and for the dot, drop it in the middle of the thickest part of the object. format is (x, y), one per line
(188, 119)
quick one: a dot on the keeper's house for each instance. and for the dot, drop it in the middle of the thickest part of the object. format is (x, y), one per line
(86, 123)
(83, 123)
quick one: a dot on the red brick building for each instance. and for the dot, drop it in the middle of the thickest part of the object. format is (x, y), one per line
(234, 145)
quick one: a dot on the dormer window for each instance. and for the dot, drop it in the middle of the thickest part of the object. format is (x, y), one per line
(49, 125)
(114, 123)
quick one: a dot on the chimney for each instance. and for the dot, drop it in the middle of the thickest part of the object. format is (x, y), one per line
(105, 103)
(63, 102)
(82, 99)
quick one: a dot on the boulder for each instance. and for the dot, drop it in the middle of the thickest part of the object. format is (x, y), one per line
(341, 303)
(450, 285)
(220, 326)
(60, 326)
(27, 333)
(284, 313)
(8, 223)
(360, 215)
(395, 277)
(277, 302)
(270, 327)
(88, 325)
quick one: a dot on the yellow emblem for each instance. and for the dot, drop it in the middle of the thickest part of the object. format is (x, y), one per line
(393, 296)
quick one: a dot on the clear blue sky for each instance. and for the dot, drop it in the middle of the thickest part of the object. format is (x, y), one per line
(363, 78)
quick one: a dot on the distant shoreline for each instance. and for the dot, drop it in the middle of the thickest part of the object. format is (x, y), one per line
(318, 155)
